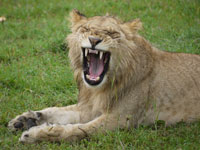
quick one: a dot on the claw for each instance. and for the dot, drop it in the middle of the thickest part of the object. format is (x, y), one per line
(18, 125)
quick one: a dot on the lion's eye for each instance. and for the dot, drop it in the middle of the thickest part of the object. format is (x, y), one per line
(113, 34)
(84, 29)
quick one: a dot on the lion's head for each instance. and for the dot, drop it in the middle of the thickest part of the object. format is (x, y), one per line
(102, 49)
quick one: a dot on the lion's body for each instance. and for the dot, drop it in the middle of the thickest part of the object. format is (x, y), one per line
(175, 87)
(169, 91)
(141, 85)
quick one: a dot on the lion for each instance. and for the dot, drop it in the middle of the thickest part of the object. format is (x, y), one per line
(123, 82)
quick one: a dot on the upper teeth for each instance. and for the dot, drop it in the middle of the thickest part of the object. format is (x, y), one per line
(94, 52)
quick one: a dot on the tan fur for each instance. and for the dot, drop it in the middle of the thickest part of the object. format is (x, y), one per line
(141, 86)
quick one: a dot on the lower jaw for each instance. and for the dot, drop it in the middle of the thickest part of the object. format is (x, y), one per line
(93, 82)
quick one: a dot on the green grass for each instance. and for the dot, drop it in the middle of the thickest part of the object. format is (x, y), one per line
(35, 72)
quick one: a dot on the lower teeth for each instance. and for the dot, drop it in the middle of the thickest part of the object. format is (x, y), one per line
(94, 79)
(87, 76)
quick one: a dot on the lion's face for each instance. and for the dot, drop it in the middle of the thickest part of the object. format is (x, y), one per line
(96, 45)
(98, 38)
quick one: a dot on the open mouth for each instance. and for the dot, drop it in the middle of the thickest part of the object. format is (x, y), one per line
(95, 65)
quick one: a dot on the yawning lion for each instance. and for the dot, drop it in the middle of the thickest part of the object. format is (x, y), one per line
(123, 81)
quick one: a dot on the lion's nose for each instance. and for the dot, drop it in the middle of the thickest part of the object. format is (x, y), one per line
(94, 41)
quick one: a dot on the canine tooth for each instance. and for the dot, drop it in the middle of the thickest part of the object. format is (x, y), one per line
(87, 76)
(97, 78)
(101, 55)
(105, 60)
(86, 52)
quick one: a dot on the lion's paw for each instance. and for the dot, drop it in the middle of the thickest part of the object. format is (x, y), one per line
(28, 137)
(25, 121)
(44, 132)
(48, 132)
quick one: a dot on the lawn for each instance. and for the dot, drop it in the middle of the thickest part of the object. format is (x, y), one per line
(35, 71)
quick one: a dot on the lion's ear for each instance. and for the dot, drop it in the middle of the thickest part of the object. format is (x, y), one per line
(76, 16)
(134, 25)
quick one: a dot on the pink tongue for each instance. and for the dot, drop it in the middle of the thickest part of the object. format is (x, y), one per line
(96, 66)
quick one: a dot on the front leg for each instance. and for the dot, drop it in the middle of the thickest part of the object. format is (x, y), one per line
(71, 132)
(53, 115)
